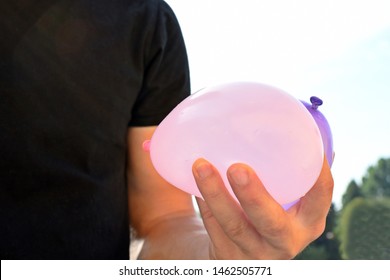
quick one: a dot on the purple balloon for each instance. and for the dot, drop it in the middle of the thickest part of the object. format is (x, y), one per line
(323, 125)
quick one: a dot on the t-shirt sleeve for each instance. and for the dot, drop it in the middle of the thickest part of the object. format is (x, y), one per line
(166, 79)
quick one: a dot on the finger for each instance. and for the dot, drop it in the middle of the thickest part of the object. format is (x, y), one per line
(214, 230)
(314, 206)
(266, 215)
(225, 210)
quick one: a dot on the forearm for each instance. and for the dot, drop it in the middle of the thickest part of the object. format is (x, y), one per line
(176, 238)
(162, 215)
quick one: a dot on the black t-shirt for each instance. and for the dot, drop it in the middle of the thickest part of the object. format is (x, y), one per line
(74, 74)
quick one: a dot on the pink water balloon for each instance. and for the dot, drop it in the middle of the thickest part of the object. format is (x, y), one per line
(246, 122)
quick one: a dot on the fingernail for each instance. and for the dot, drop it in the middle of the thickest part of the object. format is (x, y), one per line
(203, 170)
(239, 176)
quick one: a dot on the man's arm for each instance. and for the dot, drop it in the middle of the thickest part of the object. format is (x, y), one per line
(255, 228)
(160, 213)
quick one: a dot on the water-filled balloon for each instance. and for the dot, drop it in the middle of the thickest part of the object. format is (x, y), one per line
(252, 123)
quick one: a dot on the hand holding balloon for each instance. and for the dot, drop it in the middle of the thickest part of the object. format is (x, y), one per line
(251, 123)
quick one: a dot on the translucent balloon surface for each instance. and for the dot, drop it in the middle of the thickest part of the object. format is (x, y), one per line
(323, 125)
(252, 123)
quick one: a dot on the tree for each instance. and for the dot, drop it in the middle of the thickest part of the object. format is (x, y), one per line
(376, 183)
(365, 229)
(353, 190)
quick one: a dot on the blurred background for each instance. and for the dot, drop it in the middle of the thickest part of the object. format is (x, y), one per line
(336, 50)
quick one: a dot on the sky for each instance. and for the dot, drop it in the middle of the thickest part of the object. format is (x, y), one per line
(336, 50)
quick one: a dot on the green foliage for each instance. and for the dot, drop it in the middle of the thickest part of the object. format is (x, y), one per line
(376, 183)
(365, 229)
(313, 252)
(353, 190)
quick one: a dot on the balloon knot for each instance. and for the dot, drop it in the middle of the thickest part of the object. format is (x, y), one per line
(315, 102)
(146, 145)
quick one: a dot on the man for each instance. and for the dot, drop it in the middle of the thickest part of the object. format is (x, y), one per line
(83, 84)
